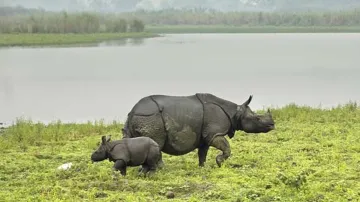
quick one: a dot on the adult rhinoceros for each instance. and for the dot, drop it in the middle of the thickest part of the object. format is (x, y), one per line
(180, 124)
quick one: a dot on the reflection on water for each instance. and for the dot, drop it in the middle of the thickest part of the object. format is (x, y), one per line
(106, 80)
(122, 42)
(117, 42)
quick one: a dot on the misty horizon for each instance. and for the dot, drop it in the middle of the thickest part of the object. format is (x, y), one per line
(151, 5)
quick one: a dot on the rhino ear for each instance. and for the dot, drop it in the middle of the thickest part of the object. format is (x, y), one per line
(108, 139)
(103, 139)
(247, 102)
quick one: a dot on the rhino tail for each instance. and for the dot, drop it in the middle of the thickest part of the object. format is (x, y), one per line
(125, 130)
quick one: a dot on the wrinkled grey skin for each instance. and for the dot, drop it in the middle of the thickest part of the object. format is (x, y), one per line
(129, 152)
(180, 124)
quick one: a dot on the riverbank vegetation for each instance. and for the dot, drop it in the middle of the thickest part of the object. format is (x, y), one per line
(179, 21)
(164, 29)
(311, 156)
(61, 28)
(247, 18)
(201, 21)
(63, 22)
(41, 39)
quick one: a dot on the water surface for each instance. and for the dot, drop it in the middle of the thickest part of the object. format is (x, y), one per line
(106, 80)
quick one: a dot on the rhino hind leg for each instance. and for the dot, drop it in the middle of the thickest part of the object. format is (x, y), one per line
(160, 162)
(149, 126)
(202, 153)
(223, 145)
(154, 158)
(143, 169)
(150, 165)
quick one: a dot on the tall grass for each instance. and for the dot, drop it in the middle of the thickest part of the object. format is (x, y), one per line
(312, 155)
(63, 22)
(26, 133)
(29, 133)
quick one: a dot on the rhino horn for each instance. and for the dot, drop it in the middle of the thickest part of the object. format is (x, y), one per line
(247, 102)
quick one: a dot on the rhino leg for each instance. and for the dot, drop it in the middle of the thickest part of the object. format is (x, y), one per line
(154, 158)
(143, 169)
(121, 166)
(147, 170)
(160, 163)
(149, 126)
(223, 145)
(202, 153)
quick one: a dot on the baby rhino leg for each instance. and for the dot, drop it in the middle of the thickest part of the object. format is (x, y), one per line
(152, 160)
(121, 166)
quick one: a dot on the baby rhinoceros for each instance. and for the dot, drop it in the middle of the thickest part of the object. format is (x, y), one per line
(129, 152)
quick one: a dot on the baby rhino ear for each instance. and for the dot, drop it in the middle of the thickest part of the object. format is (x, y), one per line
(108, 139)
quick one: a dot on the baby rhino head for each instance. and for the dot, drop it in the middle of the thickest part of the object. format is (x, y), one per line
(101, 153)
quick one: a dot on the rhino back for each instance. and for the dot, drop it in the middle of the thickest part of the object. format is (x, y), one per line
(145, 107)
(183, 119)
(227, 106)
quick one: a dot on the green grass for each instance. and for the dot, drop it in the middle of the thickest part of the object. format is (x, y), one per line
(24, 39)
(313, 155)
(249, 29)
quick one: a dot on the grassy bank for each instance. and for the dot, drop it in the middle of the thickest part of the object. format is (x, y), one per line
(250, 29)
(65, 39)
(45, 39)
(62, 28)
(311, 156)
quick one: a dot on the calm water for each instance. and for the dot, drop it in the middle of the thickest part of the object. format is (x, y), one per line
(105, 81)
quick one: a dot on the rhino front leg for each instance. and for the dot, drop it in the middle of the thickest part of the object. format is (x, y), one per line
(202, 153)
(222, 144)
(121, 166)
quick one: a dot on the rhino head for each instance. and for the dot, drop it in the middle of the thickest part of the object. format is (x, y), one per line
(250, 122)
(102, 152)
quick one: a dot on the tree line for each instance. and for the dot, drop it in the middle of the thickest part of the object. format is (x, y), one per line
(212, 17)
(90, 22)
(84, 22)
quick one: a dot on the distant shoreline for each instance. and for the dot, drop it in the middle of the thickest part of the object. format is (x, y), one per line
(182, 29)
(28, 39)
(57, 39)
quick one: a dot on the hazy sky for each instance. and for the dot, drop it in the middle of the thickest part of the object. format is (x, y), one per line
(225, 5)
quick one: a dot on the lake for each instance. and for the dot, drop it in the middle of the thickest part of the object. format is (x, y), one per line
(104, 81)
